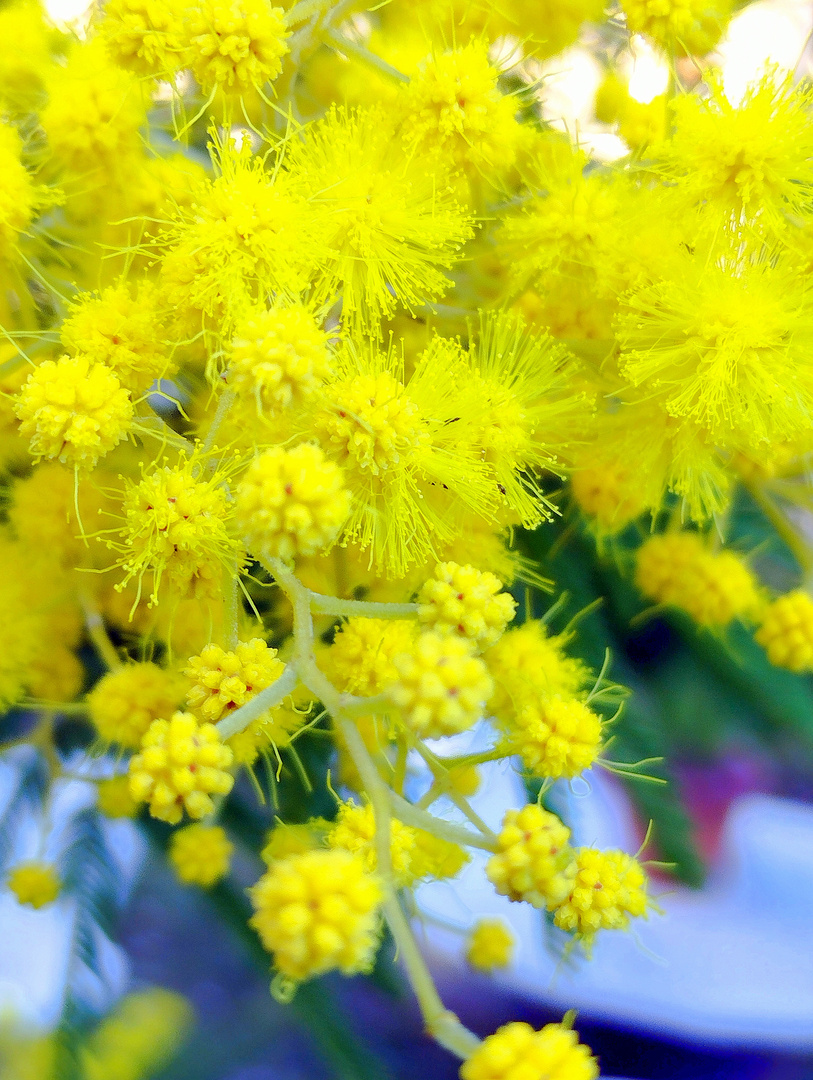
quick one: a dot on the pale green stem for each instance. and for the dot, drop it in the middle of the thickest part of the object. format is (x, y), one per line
(442, 1024)
(223, 406)
(231, 606)
(266, 699)
(305, 10)
(800, 550)
(98, 634)
(333, 605)
(157, 428)
(353, 48)
(361, 706)
(455, 834)
(438, 770)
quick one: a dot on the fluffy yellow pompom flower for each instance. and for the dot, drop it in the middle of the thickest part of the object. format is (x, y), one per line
(224, 680)
(34, 883)
(525, 382)
(462, 600)
(527, 664)
(74, 410)
(18, 197)
(556, 737)
(490, 945)
(435, 858)
(114, 799)
(246, 235)
(360, 660)
(124, 703)
(534, 860)
(606, 490)
(755, 157)
(452, 110)
(517, 1052)
(200, 854)
(318, 911)
(93, 113)
(442, 687)
(181, 765)
(609, 888)
(291, 502)
(42, 513)
(724, 342)
(712, 587)
(354, 831)
(278, 358)
(786, 631)
(121, 331)
(234, 45)
(390, 228)
(372, 420)
(176, 525)
(143, 36)
(690, 27)
(411, 450)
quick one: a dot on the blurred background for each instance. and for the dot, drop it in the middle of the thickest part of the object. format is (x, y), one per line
(719, 986)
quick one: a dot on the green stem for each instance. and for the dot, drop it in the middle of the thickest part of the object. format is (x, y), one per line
(231, 607)
(223, 406)
(353, 48)
(420, 819)
(97, 633)
(333, 605)
(790, 537)
(439, 770)
(266, 699)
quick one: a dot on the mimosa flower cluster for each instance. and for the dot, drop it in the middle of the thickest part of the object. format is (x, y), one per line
(308, 317)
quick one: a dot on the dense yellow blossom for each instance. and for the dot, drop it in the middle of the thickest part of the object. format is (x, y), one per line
(322, 330)
(390, 230)
(680, 569)
(74, 410)
(122, 331)
(609, 889)
(35, 884)
(223, 680)
(290, 503)
(517, 1052)
(318, 911)
(786, 631)
(534, 860)
(143, 36)
(354, 831)
(176, 529)
(442, 687)
(452, 107)
(529, 664)
(234, 45)
(200, 854)
(124, 703)
(361, 658)
(462, 600)
(692, 27)
(278, 357)
(556, 737)
(490, 945)
(181, 765)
